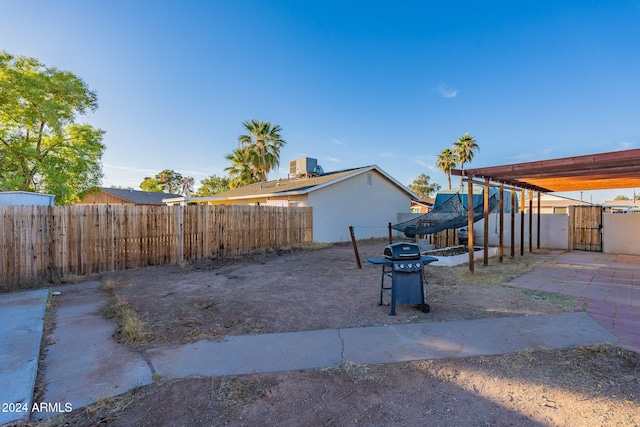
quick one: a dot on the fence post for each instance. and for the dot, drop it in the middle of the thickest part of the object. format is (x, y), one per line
(180, 230)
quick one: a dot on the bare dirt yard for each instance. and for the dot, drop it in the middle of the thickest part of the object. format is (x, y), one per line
(297, 289)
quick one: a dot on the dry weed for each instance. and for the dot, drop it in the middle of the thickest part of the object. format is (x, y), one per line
(56, 421)
(359, 372)
(102, 412)
(109, 285)
(493, 274)
(236, 392)
(133, 329)
(565, 302)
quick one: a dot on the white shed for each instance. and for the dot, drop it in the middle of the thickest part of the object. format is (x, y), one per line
(25, 198)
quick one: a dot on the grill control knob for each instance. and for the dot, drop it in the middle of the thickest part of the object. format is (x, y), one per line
(409, 265)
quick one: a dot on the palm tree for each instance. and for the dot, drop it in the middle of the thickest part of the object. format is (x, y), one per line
(241, 172)
(465, 147)
(447, 161)
(264, 143)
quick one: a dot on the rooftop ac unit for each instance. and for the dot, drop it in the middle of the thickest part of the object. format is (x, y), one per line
(304, 166)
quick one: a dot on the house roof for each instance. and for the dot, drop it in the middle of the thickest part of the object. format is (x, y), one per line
(19, 197)
(616, 169)
(139, 197)
(295, 186)
(619, 203)
(426, 202)
(29, 193)
(557, 200)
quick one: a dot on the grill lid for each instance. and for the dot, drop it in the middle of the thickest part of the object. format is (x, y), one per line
(399, 251)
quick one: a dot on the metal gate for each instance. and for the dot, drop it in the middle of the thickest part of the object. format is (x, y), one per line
(585, 228)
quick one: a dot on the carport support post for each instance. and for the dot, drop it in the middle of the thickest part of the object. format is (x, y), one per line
(486, 221)
(470, 223)
(538, 221)
(501, 235)
(513, 223)
(522, 222)
(530, 220)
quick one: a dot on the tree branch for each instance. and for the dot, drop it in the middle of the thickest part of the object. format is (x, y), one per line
(42, 123)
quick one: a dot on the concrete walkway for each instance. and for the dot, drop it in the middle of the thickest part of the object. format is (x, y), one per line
(22, 320)
(84, 363)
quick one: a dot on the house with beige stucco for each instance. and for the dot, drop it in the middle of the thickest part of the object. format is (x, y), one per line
(366, 198)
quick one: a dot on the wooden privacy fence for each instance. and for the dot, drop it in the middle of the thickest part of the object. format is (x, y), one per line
(46, 242)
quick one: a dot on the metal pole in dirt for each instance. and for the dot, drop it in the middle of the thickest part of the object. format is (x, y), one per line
(355, 246)
(390, 236)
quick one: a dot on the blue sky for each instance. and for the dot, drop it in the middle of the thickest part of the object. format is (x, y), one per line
(350, 83)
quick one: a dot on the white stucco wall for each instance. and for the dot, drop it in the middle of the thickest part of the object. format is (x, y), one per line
(554, 232)
(367, 205)
(621, 233)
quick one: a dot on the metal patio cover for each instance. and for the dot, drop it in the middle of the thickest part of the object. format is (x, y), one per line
(616, 169)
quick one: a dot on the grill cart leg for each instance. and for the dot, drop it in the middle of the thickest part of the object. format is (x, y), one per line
(383, 290)
(424, 307)
(390, 291)
(381, 285)
(393, 301)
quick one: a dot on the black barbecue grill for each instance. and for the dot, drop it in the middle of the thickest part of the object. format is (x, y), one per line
(404, 264)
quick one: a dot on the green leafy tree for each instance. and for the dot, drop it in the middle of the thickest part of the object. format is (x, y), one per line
(264, 143)
(446, 161)
(168, 181)
(151, 185)
(212, 185)
(42, 147)
(622, 197)
(465, 147)
(422, 187)
(242, 171)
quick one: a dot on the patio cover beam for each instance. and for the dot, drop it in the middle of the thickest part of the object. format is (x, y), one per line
(612, 170)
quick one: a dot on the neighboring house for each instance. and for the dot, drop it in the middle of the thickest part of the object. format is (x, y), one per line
(366, 198)
(422, 206)
(25, 198)
(621, 206)
(120, 196)
(551, 203)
